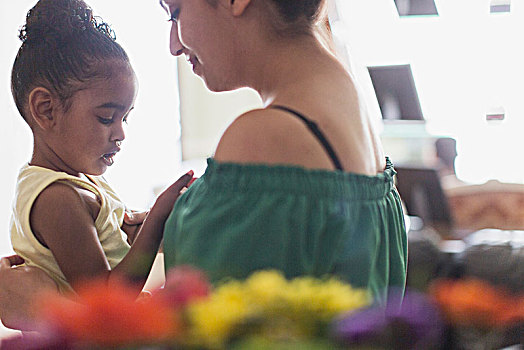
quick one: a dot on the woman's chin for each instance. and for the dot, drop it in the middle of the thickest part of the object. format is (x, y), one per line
(214, 86)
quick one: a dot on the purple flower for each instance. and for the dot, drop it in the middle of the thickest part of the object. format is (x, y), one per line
(361, 326)
(416, 324)
(35, 341)
(420, 315)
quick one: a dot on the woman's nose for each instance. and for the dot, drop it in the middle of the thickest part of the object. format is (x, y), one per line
(175, 45)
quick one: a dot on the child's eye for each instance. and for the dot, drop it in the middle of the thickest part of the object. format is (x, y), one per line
(105, 121)
(174, 16)
(125, 119)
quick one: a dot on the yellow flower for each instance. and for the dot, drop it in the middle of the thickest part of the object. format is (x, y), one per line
(213, 320)
(271, 305)
(324, 298)
(266, 288)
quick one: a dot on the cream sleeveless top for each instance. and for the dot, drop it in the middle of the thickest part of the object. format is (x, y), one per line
(32, 180)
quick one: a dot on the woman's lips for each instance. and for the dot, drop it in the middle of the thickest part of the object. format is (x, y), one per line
(194, 62)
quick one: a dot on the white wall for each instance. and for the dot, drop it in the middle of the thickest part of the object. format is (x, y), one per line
(151, 154)
(205, 114)
(465, 62)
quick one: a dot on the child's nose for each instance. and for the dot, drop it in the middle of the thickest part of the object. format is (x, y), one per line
(118, 133)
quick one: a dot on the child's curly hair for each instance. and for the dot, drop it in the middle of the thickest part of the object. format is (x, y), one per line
(62, 44)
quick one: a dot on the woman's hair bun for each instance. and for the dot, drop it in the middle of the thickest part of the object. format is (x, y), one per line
(56, 19)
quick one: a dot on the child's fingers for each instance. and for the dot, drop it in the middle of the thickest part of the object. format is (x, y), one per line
(188, 184)
(15, 260)
(134, 218)
(4, 263)
(164, 203)
(191, 182)
(182, 182)
(10, 261)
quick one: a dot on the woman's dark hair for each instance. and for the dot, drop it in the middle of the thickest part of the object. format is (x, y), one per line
(293, 10)
(298, 16)
(62, 46)
(292, 17)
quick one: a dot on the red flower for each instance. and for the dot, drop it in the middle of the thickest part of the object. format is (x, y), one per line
(183, 284)
(110, 316)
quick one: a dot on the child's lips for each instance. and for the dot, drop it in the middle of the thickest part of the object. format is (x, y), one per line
(108, 158)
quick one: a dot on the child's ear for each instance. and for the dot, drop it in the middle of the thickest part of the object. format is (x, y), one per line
(238, 6)
(41, 104)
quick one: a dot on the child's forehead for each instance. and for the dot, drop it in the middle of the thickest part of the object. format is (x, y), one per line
(112, 78)
(108, 69)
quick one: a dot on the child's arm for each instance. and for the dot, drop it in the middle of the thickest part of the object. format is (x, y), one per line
(138, 262)
(63, 217)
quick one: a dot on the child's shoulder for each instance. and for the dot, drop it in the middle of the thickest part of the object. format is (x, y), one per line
(66, 197)
(60, 210)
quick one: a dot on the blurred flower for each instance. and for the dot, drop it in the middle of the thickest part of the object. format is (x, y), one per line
(473, 302)
(266, 288)
(268, 311)
(415, 325)
(35, 341)
(268, 304)
(261, 343)
(212, 320)
(324, 298)
(362, 326)
(422, 316)
(109, 316)
(184, 284)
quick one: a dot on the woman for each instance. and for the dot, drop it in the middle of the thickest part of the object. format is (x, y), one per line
(301, 185)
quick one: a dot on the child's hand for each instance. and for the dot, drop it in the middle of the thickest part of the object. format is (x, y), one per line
(189, 184)
(132, 222)
(166, 200)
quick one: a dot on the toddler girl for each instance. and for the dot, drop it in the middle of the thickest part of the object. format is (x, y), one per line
(75, 87)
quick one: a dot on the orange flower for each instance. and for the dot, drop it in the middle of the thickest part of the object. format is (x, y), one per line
(110, 316)
(476, 302)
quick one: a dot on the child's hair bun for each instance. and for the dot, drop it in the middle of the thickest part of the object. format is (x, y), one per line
(59, 19)
(63, 48)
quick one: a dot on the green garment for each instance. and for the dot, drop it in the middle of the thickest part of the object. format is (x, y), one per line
(240, 218)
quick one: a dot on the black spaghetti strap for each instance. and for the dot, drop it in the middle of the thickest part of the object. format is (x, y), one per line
(319, 135)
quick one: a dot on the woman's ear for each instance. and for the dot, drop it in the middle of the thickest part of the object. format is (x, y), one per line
(41, 104)
(239, 6)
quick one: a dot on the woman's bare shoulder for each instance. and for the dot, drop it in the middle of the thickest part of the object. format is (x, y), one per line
(249, 137)
(268, 136)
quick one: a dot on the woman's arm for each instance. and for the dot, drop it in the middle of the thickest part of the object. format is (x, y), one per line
(20, 287)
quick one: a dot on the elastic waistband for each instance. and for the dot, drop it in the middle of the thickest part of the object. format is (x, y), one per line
(298, 180)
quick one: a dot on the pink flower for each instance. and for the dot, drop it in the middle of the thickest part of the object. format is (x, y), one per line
(183, 285)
